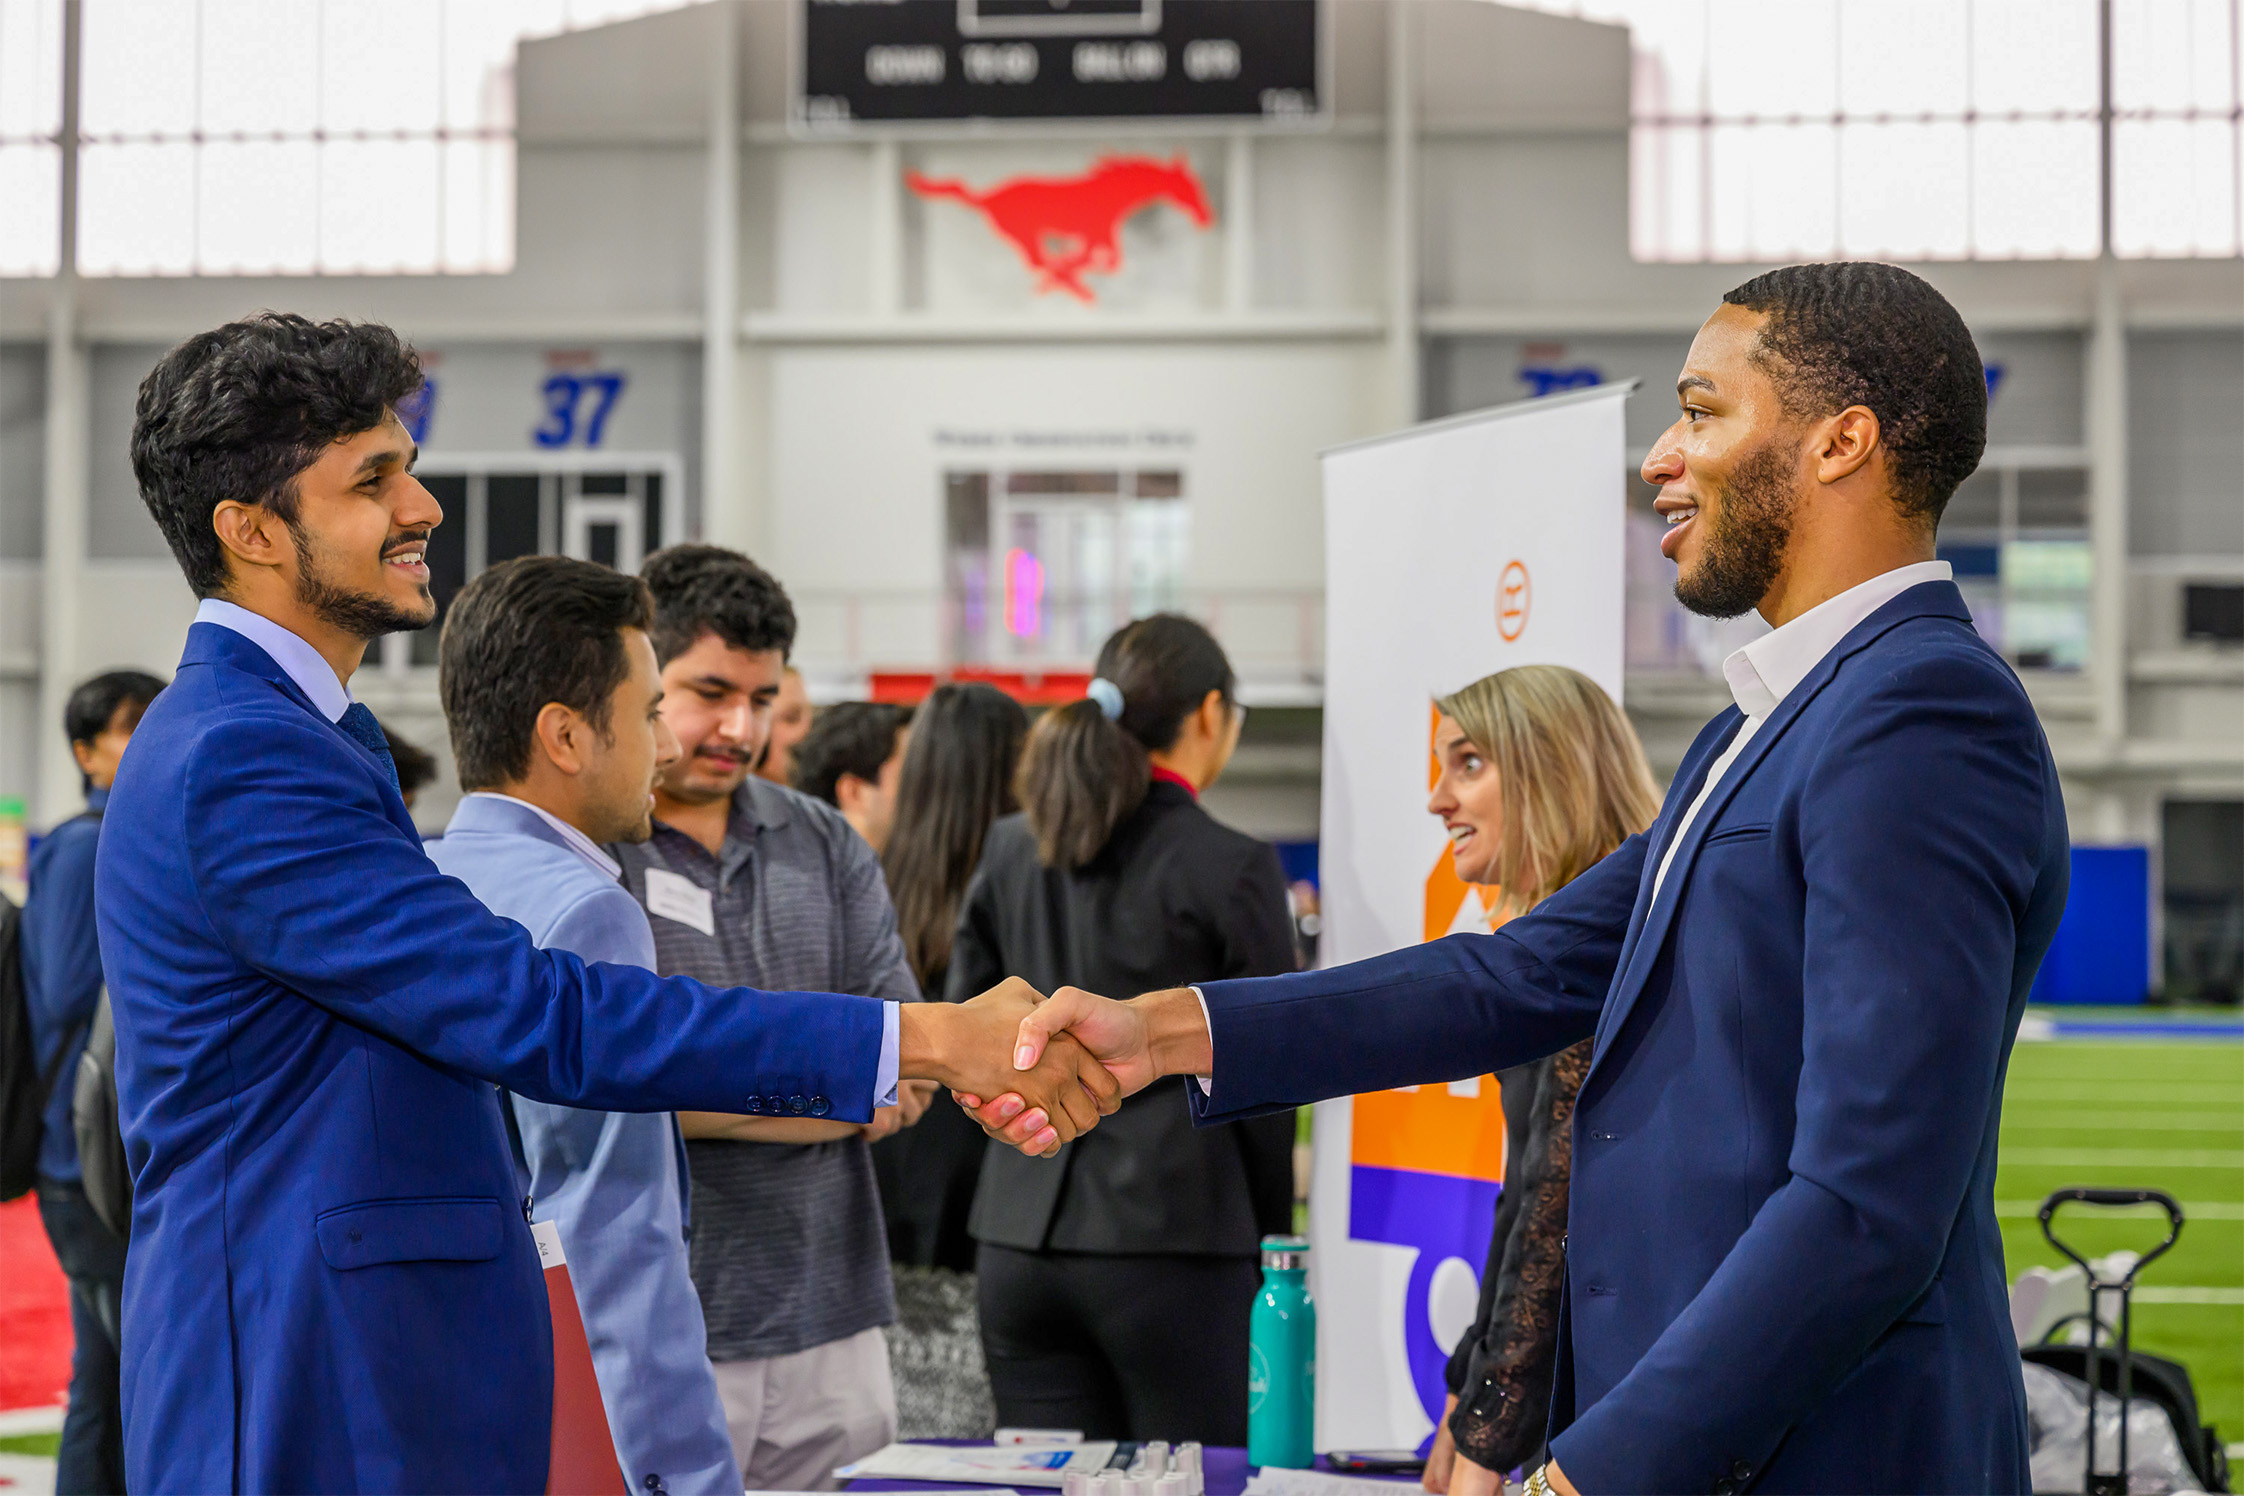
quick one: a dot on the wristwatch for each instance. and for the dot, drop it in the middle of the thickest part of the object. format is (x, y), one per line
(1539, 1484)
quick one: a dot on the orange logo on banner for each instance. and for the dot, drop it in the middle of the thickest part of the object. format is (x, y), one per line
(1452, 1129)
(1513, 596)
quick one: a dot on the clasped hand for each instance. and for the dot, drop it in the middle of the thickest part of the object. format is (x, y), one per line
(1135, 1042)
(977, 1048)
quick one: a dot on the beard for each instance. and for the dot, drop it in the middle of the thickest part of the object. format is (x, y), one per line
(362, 615)
(1745, 545)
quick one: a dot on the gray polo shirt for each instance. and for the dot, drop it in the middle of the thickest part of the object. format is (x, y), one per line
(788, 1250)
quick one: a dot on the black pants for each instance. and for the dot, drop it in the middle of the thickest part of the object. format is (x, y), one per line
(91, 1461)
(1121, 1347)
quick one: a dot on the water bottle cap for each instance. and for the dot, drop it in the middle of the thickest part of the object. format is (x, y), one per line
(1285, 1252)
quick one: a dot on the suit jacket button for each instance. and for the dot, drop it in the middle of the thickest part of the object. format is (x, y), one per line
(1725, 1488)
(798, 1104)
(354, 1235)
(755, 1105)
(820, 1106)
(1740, 1470)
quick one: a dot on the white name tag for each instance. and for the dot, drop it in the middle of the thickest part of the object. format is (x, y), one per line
(680, 899)
(548, 1237)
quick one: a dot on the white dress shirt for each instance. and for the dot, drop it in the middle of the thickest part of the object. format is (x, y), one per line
(303, 664)
(1766, 671)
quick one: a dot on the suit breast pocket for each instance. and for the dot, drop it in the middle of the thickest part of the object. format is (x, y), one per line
(373, 1232)
(1729, 835)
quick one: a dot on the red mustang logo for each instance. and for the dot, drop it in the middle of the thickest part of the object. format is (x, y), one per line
(1065, 227)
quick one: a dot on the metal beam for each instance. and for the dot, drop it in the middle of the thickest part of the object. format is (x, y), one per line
(63, 549)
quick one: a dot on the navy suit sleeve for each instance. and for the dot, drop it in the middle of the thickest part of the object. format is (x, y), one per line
(1922, 826)
(1458, 1007)
(61, 944)
(305, 878)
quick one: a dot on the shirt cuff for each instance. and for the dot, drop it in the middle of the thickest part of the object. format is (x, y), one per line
(891, 1054)
(1206, 1088)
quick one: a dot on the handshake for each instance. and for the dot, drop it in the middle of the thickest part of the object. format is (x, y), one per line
(1037, 1072)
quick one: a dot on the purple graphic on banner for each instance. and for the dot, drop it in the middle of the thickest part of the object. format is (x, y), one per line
(1442, 1216)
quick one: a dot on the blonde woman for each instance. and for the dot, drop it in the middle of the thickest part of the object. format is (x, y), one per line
(1540, 776)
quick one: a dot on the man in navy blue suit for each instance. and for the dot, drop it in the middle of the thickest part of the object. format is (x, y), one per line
(1783, 1271)
(332, 1285)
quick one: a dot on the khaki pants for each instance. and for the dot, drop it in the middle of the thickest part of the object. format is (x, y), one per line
(794, 1418)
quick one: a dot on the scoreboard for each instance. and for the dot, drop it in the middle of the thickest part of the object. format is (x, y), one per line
(874, 62)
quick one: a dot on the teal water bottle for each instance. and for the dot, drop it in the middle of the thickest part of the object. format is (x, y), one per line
(1282, 1360)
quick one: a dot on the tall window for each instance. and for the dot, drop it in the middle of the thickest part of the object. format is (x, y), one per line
(259, 137)
(1930, 129)
(30, 118)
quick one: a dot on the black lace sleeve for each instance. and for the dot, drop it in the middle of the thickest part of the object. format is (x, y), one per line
(1503, 1406)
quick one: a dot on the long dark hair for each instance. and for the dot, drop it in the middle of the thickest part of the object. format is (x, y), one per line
(1082, 773)
(957, 778)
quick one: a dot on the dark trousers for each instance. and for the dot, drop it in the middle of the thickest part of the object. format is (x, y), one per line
(1121, 1347)
(91, 1461)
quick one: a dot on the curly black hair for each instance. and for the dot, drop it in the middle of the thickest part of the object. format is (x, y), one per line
(706, 589)
(239, 411)
(1856, 332)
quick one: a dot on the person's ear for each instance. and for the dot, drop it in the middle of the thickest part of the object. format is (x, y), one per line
(560, 735)
(1215, 716)
(84, 754)
(850, 792)
(1843, 444)
(252, 533)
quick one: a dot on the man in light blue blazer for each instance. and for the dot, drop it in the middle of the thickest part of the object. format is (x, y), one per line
(332, 1285)
(549, 686)
(1783, 1267)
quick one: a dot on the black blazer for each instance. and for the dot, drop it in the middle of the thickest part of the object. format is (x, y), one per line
(1174, 898)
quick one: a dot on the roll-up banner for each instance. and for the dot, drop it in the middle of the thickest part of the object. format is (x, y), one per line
(1453, 549)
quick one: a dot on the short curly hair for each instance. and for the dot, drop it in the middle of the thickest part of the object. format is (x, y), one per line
(706, 589)
(1856, 332)
(240, 411)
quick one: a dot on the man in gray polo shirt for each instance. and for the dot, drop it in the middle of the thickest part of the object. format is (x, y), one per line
(746, 882)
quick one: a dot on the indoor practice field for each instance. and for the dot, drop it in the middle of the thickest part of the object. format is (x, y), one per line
(2140, 1113)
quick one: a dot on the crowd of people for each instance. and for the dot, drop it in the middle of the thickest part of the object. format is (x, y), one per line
(909, 855)
(687, 974)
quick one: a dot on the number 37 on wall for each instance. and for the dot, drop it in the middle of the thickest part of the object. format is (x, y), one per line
(577, 408)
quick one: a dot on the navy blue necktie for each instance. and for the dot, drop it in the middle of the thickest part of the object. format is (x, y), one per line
(360, 724)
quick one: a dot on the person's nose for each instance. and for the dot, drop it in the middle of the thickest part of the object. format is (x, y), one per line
(667, 748)
(1441, 802)
(735, 722)
(417, 507)
(1664, 463)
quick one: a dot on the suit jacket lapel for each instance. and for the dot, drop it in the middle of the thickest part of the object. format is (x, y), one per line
(1689, 776)
(1656, 916)
(215, 644)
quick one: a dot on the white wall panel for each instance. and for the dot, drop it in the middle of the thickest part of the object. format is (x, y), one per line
(861, 439)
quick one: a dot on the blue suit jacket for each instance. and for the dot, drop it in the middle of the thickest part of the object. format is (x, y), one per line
(331, 1285)
(613, 1183)
(1784, 1271)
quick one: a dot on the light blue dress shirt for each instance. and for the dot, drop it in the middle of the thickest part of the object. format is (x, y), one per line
(613, 1183)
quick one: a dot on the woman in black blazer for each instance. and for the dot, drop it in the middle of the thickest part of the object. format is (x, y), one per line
(1116, 1280)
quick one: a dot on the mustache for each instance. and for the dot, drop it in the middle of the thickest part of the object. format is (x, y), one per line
(404, 538)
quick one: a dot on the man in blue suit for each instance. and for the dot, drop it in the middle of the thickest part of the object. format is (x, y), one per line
(1783, 1270)
(551, 693)
(332, 1285)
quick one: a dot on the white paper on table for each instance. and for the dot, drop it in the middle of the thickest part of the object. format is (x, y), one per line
(1271, 1481)
(1009, 1465)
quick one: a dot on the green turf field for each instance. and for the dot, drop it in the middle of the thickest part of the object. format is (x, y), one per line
(2140, 1113)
